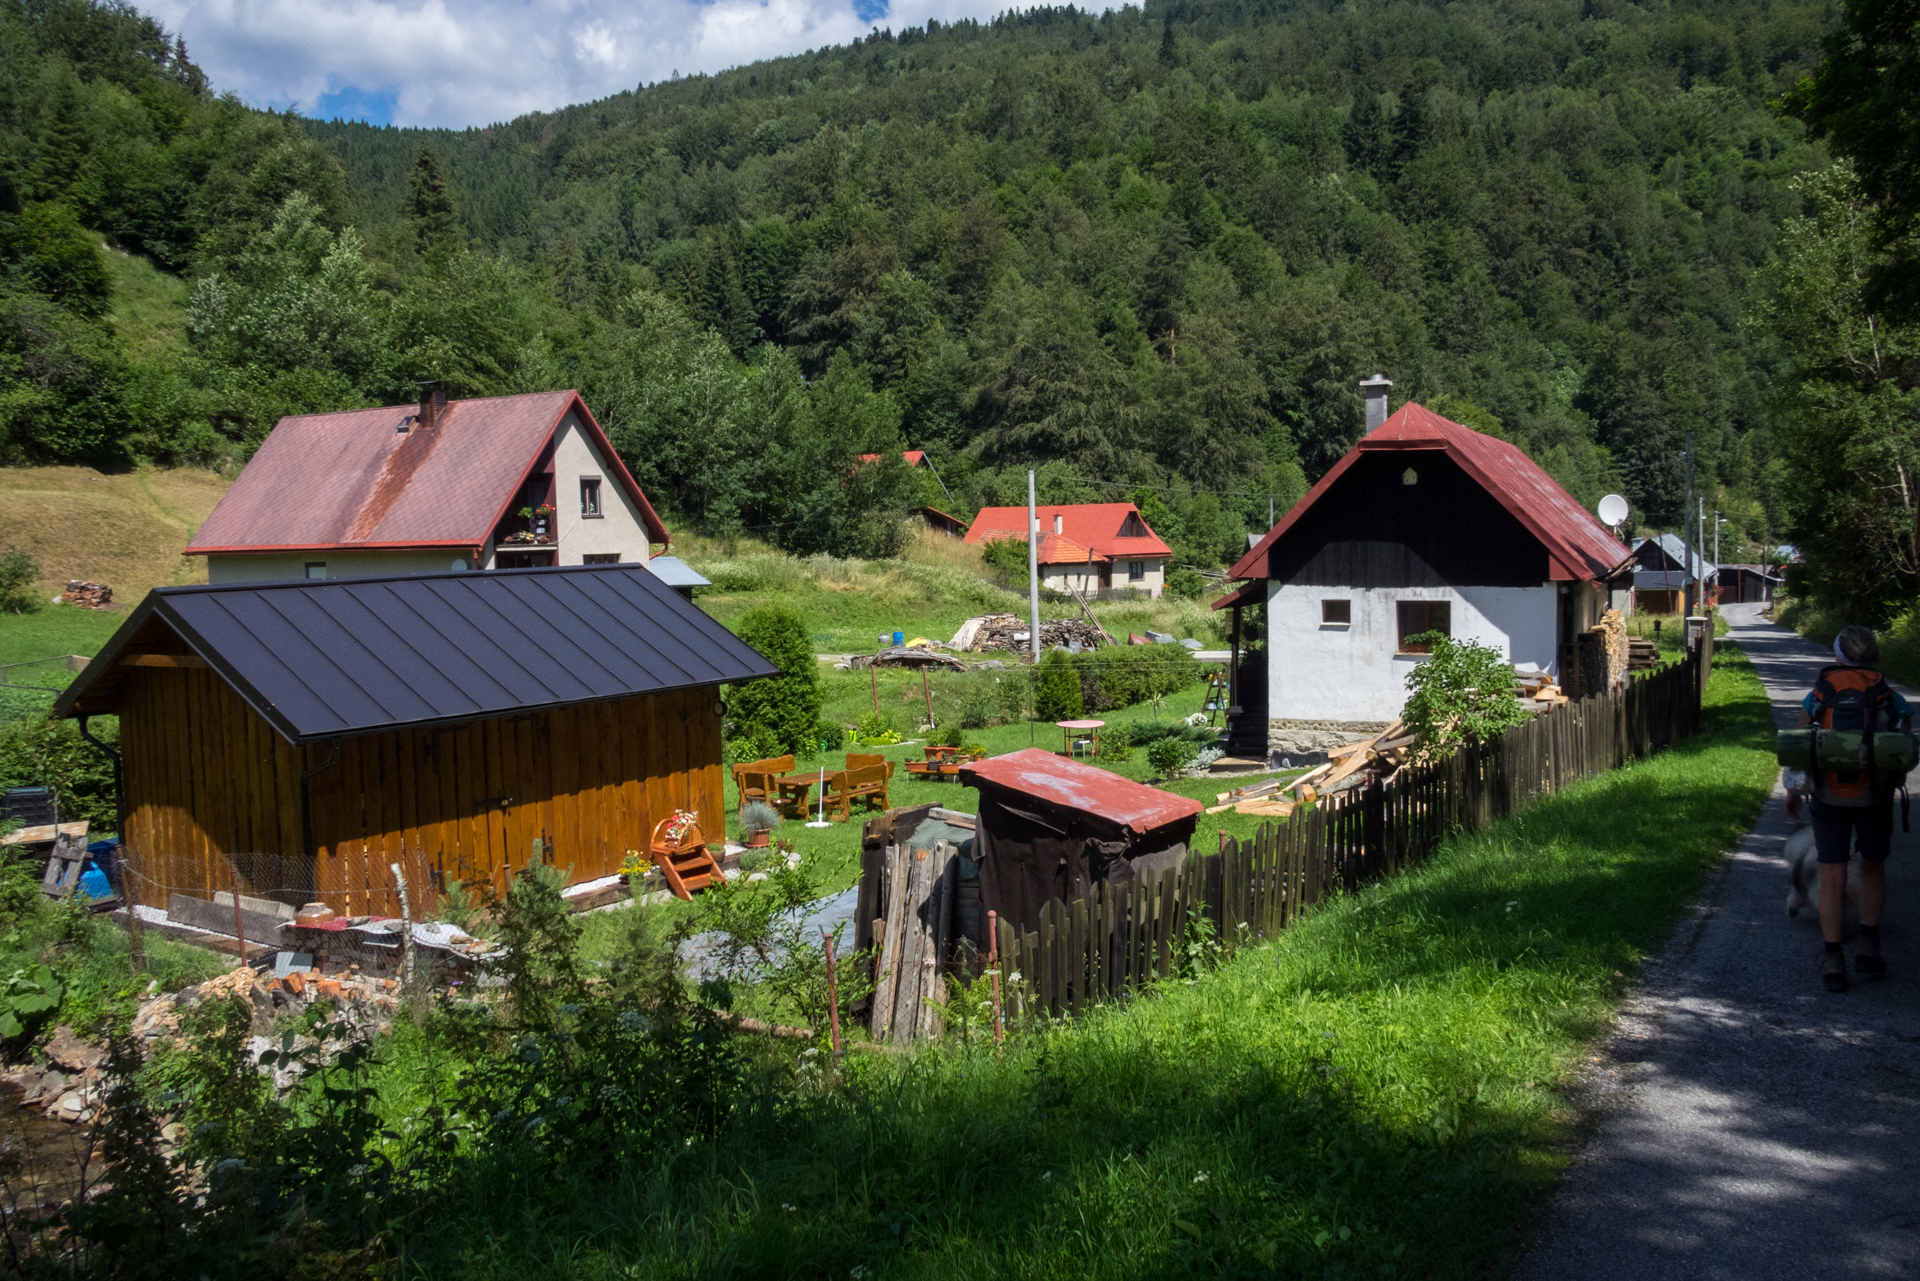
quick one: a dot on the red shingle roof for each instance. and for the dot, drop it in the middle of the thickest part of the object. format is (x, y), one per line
(1579, 547)
(1085, 526)
(354, 480)
(1039, 773)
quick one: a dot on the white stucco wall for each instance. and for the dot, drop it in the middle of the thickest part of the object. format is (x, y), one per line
(278, 568)
(619, 530)
(1086, 578)
(1329, 672)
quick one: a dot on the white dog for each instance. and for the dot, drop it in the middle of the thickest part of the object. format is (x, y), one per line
(1803, 860)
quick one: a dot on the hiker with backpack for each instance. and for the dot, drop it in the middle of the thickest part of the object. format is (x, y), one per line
(1869, 726)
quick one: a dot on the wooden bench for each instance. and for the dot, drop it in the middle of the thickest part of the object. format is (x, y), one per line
(861, 760)
(754, 779)
(868, 785)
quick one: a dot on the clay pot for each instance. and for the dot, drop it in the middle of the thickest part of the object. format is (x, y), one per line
(758, 840)
(313, 914)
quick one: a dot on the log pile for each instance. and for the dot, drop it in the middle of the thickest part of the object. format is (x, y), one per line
(1376, 759)
(1008, 633)
(87, 595)
(1539, 689)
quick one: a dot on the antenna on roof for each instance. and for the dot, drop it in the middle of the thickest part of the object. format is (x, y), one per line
(1613, 510)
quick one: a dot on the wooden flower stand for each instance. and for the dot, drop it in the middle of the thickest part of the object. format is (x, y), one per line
(686, 864)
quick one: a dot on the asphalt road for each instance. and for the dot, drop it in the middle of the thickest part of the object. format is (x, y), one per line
(1755, 1126)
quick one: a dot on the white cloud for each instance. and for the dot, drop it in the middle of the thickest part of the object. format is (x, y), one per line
(476, 63)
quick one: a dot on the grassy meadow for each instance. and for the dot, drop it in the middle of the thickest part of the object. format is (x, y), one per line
(1382, 1091)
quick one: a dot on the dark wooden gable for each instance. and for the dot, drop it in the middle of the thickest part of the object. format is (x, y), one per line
(1371, 529)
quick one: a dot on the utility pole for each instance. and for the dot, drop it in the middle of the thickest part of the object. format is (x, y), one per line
(1033, 570)
(1716, 542)
(1690, 594)
(1701, 518)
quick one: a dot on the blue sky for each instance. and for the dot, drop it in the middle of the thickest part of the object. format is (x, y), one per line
(476, 62)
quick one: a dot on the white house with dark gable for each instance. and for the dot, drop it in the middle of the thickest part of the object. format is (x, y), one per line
(1423, 526)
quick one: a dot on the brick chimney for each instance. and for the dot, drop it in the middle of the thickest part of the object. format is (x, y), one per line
(433, 406)
(1375, 390)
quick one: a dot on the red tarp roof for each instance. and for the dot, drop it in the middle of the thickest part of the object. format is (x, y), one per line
(1579, 547)
(1086, 527)
(354, 480)
(1041, 774)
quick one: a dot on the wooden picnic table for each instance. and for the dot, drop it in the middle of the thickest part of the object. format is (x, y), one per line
(794, 787)
(1072, 726)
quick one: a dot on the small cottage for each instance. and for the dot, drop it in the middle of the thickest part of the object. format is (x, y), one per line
(1747, 584)
(1661, 578)
(1087, 548)
(509, 482)
(446, 721)
(1424, 526)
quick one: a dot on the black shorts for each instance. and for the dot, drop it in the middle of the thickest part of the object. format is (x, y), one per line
(1836, 827)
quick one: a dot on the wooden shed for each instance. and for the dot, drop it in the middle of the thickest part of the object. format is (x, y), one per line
(443, 721)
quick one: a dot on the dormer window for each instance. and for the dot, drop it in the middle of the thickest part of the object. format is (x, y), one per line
(590, 496)
(1133, 526)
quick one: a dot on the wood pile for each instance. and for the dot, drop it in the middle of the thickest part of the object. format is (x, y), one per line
(87, 595)
(1379, 758)
(1008, 632)
(1539, 689)
(1642, 653)
(914, 935)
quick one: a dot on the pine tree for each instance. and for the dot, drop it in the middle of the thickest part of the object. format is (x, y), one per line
(63, 146)
(436, 225)
(569, 281)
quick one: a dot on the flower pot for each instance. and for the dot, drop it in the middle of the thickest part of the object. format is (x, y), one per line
(758, 840)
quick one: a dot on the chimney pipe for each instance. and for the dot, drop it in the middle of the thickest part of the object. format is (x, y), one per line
(1059, 524)
(433, 404)
(1375, 391)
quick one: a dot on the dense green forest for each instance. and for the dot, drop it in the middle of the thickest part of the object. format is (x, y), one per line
(1151, 251)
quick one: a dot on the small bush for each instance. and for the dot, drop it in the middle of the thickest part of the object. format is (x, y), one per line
(1116, 745)
(19, 572)
(1006, 559)
(749, 743)
(1463, 694)
(1170, 756)
(38, 752)
(831, 735)
(758, 816)
(1057, 693)
(875, 731)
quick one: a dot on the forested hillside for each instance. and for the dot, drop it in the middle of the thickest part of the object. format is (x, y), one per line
(1152, 251)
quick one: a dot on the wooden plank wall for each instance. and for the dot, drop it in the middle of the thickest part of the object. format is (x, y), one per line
(207, 779)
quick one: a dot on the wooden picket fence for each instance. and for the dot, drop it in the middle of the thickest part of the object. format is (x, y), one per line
(1127, 934)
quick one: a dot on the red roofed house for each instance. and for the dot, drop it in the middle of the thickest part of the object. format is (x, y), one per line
(430, 487)
(1085, 547)
(1423, 526)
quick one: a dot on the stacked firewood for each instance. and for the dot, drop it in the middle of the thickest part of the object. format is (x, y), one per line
(1376, 759)
(1539, 689)
(87, 595)
(1008, 632)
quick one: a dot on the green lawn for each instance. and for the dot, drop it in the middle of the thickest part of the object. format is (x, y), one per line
(1380, 1092)
(49, 632)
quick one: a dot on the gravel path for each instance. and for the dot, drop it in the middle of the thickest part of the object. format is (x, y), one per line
(1755, 1126)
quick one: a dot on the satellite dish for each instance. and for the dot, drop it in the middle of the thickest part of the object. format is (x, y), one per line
(1613, 510)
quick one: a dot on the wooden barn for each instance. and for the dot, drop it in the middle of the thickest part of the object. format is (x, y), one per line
(443, 721)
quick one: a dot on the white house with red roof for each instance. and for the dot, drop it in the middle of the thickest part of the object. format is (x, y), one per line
(500, 483)
(1424, 526)
(1085, 547)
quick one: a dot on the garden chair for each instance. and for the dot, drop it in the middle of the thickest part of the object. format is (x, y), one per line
(754, 779)
(860, 760)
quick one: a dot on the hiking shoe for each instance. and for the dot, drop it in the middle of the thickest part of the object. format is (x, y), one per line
(1833, 970)
(1866, 957)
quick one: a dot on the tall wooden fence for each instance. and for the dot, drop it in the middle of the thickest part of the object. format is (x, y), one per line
(1127, 934)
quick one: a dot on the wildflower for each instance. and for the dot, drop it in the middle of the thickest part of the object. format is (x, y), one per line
(1512, 905)
(1200, 1177)
(788, 1208)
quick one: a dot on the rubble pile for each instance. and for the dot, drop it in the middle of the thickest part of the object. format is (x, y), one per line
(1008, 633)
(87, 595)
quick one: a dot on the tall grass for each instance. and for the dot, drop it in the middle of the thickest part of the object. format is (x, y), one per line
(1378, 1092)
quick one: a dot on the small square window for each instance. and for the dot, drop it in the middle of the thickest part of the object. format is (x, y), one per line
(1136, 570)
(600, 558)
(1420, 617)
(316, 569)
(1338, 612)
(589, 495)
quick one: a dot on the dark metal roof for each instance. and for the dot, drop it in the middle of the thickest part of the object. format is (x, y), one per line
(1040, 774)
(359, 656)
